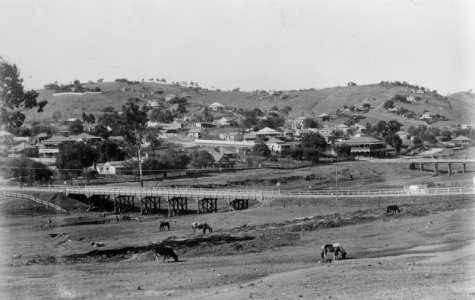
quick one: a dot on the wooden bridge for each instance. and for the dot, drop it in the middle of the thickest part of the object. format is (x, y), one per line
(149, 200)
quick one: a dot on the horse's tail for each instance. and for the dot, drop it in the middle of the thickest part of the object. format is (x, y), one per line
(173, 254)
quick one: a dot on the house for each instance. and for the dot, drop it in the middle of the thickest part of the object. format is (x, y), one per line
(111, 168)
(324, 117)
(153, 103)
(52, 147)
(225, 121)
(85, 137)
(170, 97)
(40, 137)
(277, 146)
(204, 125)
(411, 99)
(196, 132)
(23, 149)
(467, 126)
(221, 160)
(71, 120)
(358, 128)
(343, 128)
(216, 106)
(298, 123)
(404, 136)
(229, 136)
(426, 116)
(268, 132)
(351, 83)
(249, 136)
(462, 141)
(6, 137)
(368, 146)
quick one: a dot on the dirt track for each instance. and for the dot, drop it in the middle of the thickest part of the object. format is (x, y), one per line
(263, 252)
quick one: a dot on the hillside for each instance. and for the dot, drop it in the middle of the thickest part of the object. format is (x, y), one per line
(457, 108)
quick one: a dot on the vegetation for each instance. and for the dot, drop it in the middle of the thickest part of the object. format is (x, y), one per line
(74, 157)
(27, 170)
(201, 159)
(14, 100)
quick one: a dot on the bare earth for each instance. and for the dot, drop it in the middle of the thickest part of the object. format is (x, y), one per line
(426, 252)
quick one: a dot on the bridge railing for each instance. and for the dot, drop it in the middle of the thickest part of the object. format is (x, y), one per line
(258, 195)
(34, 199)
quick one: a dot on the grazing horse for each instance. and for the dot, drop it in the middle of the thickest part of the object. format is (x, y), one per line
(164, 224)
(335, 248)
(203, 226)
(166, 252)
(392, 209)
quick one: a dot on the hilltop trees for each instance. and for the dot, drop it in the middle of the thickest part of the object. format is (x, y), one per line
(13, 98)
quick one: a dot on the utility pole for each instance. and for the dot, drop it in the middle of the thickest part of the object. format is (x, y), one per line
(336, 181)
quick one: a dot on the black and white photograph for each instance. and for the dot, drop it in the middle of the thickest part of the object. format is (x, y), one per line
(237, 149)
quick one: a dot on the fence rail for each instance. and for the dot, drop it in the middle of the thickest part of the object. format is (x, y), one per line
(259, 195)
(31, 198)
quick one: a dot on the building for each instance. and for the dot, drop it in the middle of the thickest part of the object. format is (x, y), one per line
(23, 149)
(111, 168)
(85, 137)
(204, 125)
(277, 146)
(196, 132)
(53, 146)
(216, 106)
(170, 97)
(268, 132)
(462, 141)
(225, 121)
(426, 116)
(369, 146)
(221, 160)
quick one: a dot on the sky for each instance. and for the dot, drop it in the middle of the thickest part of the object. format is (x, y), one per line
(250, 44)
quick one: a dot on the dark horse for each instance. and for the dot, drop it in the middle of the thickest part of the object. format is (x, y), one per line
(166, 252)
(392, 209)
(164, 224)
(203, 226)
(335, 248)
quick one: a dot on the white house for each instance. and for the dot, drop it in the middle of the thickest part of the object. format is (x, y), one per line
(426, 116)
(170, 97)
(111, 168)
(277, 146)
(216, 106)
(268, 132)
(225, 121)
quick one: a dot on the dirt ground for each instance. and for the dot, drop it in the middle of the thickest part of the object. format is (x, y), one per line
(271, 252)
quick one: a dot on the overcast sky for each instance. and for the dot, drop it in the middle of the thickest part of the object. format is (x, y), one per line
(274, 44)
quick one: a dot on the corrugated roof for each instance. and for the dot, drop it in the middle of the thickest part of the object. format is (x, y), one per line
(363, 140)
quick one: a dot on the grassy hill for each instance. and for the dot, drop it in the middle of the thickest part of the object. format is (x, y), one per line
(457, 108)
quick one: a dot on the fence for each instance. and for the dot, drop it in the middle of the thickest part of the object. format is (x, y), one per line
(31, 198)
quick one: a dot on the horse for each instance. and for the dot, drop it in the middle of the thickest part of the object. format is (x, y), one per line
(166, 252)
(200, 225)
(392, 209)
(164, 224)
(335, 248)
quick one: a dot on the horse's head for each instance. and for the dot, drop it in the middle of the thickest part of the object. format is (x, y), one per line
(210, 229)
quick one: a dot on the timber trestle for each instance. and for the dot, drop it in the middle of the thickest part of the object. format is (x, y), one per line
(239, 204)
(150, 204)
(207, 205)
(177, 206)
(123, 203)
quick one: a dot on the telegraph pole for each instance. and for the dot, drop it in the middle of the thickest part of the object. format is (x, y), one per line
(336, 181)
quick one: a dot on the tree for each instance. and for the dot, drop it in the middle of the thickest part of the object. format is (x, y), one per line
(91, 119)
(57, 116)
(394, 140)
(261, 149)
(393, 126)
(388, 104)
(13, 98)
(84, 116)
(310, 123)
(76, 156)
(133, 121)
(201, 159)
(417, 141)
(76, 127)
(312, 144)
(153, 139)
(287, 109)
(27, 170)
